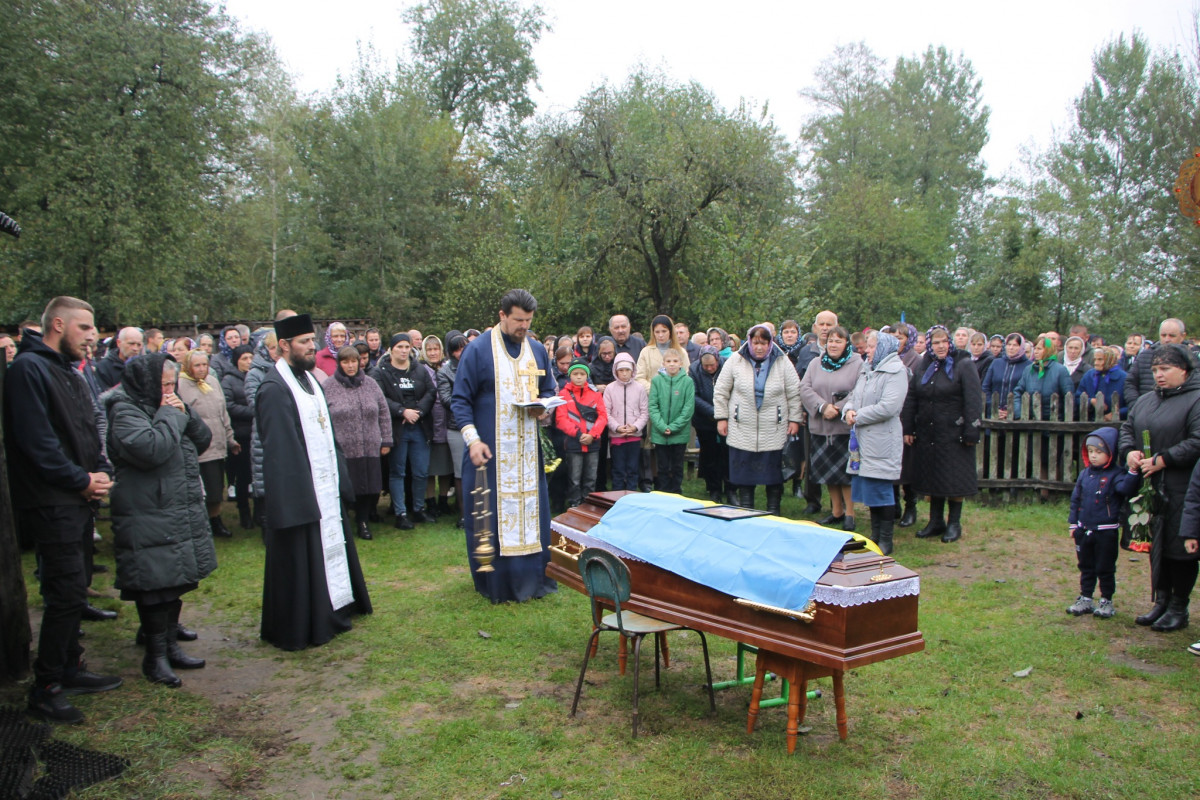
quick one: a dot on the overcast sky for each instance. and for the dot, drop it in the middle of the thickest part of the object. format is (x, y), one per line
(1033, 56)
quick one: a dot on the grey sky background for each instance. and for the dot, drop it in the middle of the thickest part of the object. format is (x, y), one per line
(1033, 57)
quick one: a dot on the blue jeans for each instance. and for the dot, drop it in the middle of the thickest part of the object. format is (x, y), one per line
(412, 449)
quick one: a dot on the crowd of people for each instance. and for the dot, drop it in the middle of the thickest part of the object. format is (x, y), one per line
(879, 417)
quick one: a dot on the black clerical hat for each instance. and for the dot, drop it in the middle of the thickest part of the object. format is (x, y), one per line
(291, 327)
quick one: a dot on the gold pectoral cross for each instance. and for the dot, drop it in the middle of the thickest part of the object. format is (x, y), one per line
(321, 418)
(532, 373)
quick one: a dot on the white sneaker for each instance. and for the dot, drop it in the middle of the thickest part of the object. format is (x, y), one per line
(1104, 610)
(232, 493)
(1081, 606)
(1194, 649)
(96, 535)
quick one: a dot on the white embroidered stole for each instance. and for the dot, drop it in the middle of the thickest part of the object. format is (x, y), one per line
(518, 523)
(322, 462)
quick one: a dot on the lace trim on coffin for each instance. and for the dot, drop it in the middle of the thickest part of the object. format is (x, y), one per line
(840, 596)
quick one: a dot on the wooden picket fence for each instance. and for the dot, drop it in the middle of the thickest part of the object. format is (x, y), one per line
(1026, 454)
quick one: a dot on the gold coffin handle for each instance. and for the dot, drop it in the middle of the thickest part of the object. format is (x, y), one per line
(808, 614)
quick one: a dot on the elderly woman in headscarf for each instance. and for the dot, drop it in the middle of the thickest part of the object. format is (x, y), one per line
(1045, 378)
(200, 391)
(1104, 384)
(362, 424)
(906, 334)
(756, 404)
(714, 454)
(1171, 416)
(719, 339)
(241, 416)
(824, 389)
(941, 420)
(162, 540)
(1075, 350)
(873, 414)
(336, 337)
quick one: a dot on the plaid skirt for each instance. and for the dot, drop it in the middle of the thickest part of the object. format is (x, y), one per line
(827, 462)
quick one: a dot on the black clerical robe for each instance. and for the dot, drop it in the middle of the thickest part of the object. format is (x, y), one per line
(296, 609)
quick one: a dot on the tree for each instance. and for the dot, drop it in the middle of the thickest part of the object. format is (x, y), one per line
(474, 59)
(892, 172)
(632, 175)
(122, 123)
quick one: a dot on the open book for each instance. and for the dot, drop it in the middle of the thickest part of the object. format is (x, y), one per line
(547, 403)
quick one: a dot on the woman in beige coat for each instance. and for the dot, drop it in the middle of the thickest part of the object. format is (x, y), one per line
(200, 390)
(662, 331)
(756, 404)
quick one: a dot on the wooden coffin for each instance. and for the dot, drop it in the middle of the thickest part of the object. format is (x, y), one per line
(848, 629)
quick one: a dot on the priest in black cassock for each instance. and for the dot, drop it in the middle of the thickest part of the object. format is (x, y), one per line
(312, 584)
(497, 370)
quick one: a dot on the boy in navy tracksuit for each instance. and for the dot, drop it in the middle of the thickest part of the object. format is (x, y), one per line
(1102, 488)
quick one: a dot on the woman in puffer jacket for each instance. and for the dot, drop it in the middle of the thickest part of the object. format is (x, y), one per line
(756, 404)
(161, 535)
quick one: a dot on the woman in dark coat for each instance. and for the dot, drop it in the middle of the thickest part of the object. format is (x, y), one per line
(362, 424)
(1171, 414)
(980, 355)
(714, 453)
(161, 536)
(241, 416)
(942, 422)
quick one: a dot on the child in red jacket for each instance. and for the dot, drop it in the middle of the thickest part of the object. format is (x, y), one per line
(582, 419)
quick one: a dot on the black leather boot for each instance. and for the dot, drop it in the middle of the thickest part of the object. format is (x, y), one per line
(731, 497)
(774, 498)
(1175, 618)
(909, 517)
(1160, 608)
(155, 664)
(953, 532)
(219, 531)
(886, 530)
(175, 655)
(936, 527)
(364, 531)
(746, 496)
(245, 518)
(874, 534)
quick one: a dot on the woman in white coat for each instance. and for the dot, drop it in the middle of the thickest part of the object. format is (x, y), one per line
(756, 403)
(873, 412)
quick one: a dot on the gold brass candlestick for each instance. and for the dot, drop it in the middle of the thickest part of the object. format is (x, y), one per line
(481, 513)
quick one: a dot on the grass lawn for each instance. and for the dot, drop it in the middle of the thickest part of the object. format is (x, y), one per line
(439, 694)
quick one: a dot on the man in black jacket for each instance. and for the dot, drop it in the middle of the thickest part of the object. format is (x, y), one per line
(58, 470)
(410, 394)
(112, 367)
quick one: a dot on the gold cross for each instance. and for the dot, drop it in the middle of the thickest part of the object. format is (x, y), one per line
(532, 373)
(321, 418)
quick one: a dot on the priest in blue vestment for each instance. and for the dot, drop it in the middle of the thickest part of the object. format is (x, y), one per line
(497, 371)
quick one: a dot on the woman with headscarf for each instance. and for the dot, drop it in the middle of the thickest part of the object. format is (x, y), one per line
(162, 540)
(441, 466)
(823, 390)
(219, 362)
(873, 413)
(178, 348)
(756, 404)
(241, 416)
(714, 454)
(719, 339)
(1171, 415)
(200, 391)
(336, 337)
(789, 340)
(362, 425)
(456, 343)
(205, 343)
(1073, 359)
(906, 334)
(942, 422)
(1045, 378)
(1104, 385)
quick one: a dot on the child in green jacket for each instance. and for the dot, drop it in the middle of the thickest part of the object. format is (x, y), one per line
(672, 403)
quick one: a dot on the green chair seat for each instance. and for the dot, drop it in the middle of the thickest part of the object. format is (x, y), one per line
(635, 623)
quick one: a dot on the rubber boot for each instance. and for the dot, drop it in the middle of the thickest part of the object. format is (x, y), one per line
(155, 664)
(746, 496)
(874, 534)
(175, 655)
(1160, 608)
(886, 530)
(909, 517)
(731, 497)
(1175, 618)
(774, 498)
